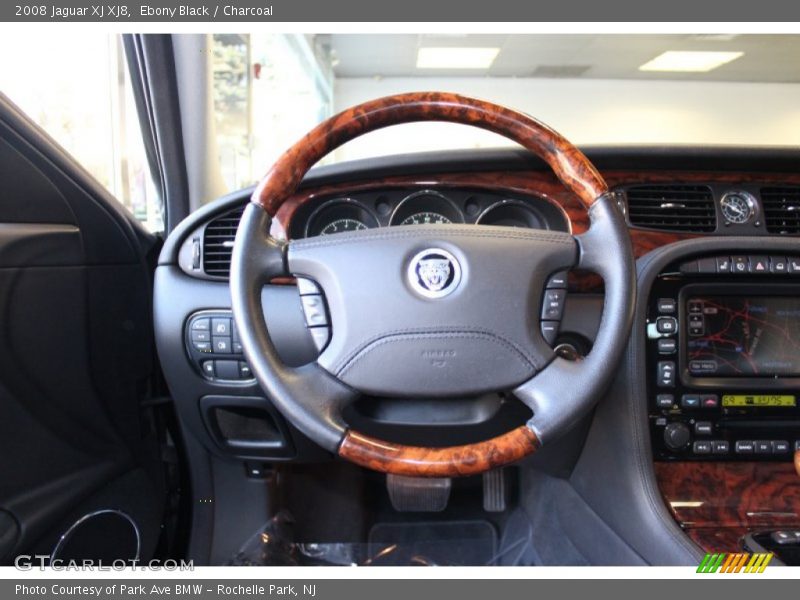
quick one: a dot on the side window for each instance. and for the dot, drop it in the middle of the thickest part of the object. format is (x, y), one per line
(76, 87)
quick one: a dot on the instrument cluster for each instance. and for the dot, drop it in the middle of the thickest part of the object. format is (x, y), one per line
(389, 208)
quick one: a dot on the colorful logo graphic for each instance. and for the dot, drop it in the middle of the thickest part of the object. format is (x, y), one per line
(741, 562)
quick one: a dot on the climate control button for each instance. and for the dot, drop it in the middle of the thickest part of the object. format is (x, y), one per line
(676, 436)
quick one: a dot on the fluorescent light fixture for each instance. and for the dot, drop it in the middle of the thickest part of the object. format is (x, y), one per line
(456, 58)
(690, 62)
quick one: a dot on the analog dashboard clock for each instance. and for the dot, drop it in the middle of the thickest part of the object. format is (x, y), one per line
(738, 207)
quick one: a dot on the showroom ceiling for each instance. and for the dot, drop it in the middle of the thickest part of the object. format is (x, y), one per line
(765, 58)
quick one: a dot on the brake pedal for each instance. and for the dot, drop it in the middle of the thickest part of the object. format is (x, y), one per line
(418, 494)
(494, 490)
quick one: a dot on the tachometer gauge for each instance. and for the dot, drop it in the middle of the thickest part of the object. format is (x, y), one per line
(340, 225)
(737, 207)
(338, 216)
(425, 218)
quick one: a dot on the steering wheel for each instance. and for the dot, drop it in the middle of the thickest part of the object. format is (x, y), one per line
(434, 310)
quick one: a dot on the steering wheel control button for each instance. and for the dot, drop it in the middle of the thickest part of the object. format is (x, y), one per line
(244, 371)
(550, 331)
(434, 273)
(558, 281)
(307, 287)
(703, 428)
(666, 346)
(702, 447)
(553, 306)
(221, 345)
(208, 369)
(201, 336)
(667, 306)
(202, 346)
(744, 447)
(220, 327)
(666, 373)
(314, 310)
(676, 436)
(200, 325)
(665, 400)
(227, 369)
(320, 337)
(667, 325)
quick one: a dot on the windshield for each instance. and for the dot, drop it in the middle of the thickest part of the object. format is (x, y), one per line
(594, 89)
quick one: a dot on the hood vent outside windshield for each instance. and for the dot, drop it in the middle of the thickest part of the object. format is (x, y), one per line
(218, 243)
(672, 207)
(781, 207)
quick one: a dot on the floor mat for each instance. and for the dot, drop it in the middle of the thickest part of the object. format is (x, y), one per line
(463, 543)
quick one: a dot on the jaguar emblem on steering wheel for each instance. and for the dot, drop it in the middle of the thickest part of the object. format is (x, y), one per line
(434, 273)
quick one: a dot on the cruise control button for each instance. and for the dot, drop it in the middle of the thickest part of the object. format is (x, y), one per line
(744, 447)
(701, 447)
(307, 287)
(220, 326)
(314, 309)
(666, 325)
(666, 346)
(720, 447)
(221, 345)
(237, 348)
(320, 336)
(558, 281)
(208, 368)
(549, 331)
(202, 346)
(553, 305)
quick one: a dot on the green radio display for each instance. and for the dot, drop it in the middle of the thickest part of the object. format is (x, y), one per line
(741, 400)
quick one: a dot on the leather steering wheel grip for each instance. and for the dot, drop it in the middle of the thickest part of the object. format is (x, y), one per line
(567, 162)
(312, 398)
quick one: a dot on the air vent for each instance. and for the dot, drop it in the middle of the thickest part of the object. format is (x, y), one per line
(672, 207)
(781, 207)
(218, 243)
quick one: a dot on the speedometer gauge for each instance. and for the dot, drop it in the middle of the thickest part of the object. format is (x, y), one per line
(340, 225)
(425, 218)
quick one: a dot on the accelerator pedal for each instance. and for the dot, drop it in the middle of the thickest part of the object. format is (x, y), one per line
(495, 490)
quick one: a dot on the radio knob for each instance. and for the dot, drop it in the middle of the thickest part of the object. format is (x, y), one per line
(676, 436)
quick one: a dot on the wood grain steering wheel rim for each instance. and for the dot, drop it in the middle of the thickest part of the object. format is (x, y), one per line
(568, 163)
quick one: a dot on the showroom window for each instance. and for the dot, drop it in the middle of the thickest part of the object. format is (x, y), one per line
(76, 87)
(258, 80)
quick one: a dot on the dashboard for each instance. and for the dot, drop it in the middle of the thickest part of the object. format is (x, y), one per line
(717, 333)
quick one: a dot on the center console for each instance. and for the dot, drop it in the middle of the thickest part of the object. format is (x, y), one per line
(723, 359)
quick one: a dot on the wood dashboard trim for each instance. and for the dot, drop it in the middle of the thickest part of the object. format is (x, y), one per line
(716, 503)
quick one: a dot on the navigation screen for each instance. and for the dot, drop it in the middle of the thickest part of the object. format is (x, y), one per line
(733, 336)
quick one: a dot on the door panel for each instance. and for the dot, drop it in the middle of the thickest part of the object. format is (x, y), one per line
(76, 351)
